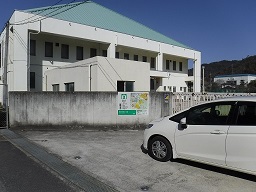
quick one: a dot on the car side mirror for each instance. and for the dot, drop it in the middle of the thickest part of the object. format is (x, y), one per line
(183, 123)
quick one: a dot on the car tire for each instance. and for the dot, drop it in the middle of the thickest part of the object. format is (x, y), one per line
(160, 149)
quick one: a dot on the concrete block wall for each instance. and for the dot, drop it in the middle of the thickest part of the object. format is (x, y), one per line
(78, 110)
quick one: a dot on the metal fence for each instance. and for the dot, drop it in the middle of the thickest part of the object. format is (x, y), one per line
(3, 106)
(181, 101)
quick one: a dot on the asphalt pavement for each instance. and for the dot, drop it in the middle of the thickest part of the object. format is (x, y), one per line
(20, 173)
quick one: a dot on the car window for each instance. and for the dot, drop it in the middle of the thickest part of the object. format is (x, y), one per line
(209, 114)
(178, 117)
(246, 113)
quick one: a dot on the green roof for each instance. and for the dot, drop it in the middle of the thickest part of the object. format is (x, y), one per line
(95, 15)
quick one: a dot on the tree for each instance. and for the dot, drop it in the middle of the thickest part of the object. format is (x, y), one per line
(252, 86)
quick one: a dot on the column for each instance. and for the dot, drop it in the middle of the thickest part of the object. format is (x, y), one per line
(112, 50)
(159, 61)
(197, 72)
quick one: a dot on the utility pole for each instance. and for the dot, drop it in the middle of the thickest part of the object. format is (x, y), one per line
(203, 77)
(5, 88)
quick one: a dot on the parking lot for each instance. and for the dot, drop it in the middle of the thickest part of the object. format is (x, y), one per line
(115, 158)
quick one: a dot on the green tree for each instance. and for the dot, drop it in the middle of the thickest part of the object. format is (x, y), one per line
(252, 86)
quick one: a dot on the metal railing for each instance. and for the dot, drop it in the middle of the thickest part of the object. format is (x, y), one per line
(181, 101)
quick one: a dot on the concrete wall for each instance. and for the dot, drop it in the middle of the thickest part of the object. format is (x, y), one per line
(78, 110)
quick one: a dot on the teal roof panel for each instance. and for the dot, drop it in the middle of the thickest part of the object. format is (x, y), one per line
(95, 15)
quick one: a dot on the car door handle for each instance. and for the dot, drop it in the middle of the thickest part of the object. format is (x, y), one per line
(218, 132)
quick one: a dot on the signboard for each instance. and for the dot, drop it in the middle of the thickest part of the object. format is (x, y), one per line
(133, 103)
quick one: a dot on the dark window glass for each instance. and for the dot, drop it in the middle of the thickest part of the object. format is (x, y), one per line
(125, 86)
(152, 84)
(135, 57)
(93, 52)
(167, 64)
(48, 49)
(32, 80)
(79, 53)
(209, 114)
(174, 65)
(126, 56)
(129, 86)
(180, 66)
(153, 63)
(64, 51)
(174, 89)
(69, 87)
(55, 87)
(178, 117)
(117, 55)
(144, 59)
(104, 53)
(32, 47)
(246, 114)
(120, 86)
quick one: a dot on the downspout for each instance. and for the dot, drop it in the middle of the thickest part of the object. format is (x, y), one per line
(28, 65)
(90, 77)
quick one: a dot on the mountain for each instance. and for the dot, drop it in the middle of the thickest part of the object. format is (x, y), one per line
(244, 66)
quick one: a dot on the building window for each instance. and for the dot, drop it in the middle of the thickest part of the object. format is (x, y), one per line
(79, 53)
(56, 87)
(48, 49)
(125, 86)
(174, 89)
(64, 51)
(117, 55)
(32, 80)
(180, 88)
(180, 66)
(135, 57)
(167, 65)
(184, 89)
(153, 63)
(69, 87)
(104, 53)
(93, 52)
(32, 47)
(126, 56)
(144, 59)
(174, 65)
(152, 84)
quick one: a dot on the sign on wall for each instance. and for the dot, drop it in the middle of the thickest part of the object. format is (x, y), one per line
(133, 103)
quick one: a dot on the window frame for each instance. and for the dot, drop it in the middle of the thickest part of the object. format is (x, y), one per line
(180, 66)
(167, 64)
(236, 112)
(48, 48)
(68, 89)
(79, 53)
(54, 86)
(174, 66)
(32, 80)
(64, 51)
(32, 47)
(126, 56)
(152, 62)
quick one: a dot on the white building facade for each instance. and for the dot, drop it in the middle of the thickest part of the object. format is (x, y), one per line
(236, 79)
(36, 41)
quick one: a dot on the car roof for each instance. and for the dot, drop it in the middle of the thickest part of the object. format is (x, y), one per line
(238, 98)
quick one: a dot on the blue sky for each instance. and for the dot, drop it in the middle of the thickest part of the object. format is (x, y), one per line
(220, 29)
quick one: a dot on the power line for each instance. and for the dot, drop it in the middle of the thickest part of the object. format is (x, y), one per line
(38, 13)
(44, 17)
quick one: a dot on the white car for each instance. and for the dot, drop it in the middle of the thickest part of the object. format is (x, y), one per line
(220, 133)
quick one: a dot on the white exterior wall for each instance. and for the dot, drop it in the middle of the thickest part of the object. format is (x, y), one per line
(67, 32)
(238, 79)
(105, 72)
